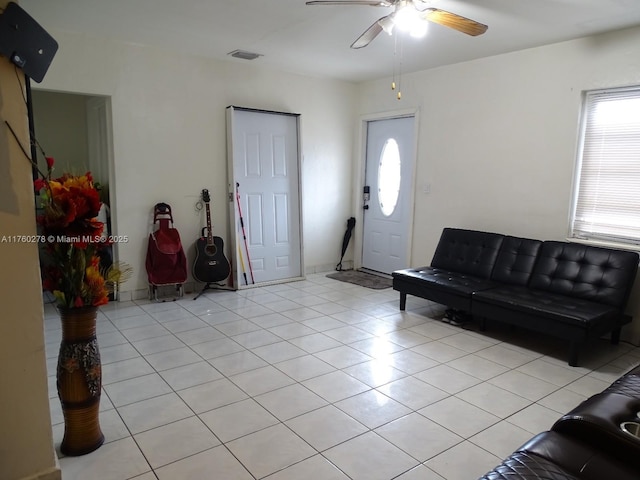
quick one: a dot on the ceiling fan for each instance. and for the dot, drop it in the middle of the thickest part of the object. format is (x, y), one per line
(407, 15)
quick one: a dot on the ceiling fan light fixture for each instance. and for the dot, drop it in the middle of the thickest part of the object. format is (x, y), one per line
(387, 24)
(419, 29)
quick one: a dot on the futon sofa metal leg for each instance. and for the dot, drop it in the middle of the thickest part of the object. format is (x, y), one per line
(574, 347)
(615, 336)
(403, 301)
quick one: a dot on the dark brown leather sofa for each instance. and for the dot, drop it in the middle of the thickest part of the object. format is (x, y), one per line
(568, 290)
(587, 443)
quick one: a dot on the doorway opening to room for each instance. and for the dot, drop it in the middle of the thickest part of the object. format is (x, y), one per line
(388, 193)
(76, 130)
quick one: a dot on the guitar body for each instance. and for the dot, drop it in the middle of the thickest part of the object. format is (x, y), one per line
(210, 265)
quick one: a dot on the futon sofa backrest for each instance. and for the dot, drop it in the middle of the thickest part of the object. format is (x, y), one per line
(467, 251)
(515, 261)
(592, 273)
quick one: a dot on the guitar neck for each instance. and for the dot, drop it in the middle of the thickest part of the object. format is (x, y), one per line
(209, 229)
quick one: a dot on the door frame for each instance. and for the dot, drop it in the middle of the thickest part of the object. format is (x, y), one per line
(233, 211)
(359, 178)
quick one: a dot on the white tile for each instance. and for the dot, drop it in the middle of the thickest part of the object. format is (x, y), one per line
(377, 347)
(175, 441)
(290, 401)
(291, 330)
(525, 385)
(124, 370)
(477, 462)
(412, 392)
(208, 396)
(343, 356)
(447, 379)
(562, 400)
(418, 436)
(315, 342)
(535, 418)
(459, 416)
(466, 342)
(439, 351)
(121, 459)
(374, 373)
(420, 473)
(372, 408)
(587, 386)
(238, 362)
(256, 339)
(217, 348)
(157, 344)
(261, 380)
(173, 358)
(270, 450)
(304, 368)
(154, 412)
(144, 332)
(505, 356)
(238, 419)
(370, 457)
(325, 427)
(410, 362)
(549, 372)
(348, 334)
(278, 352)
(486, 396)
(335, 386)
(136, 389)
(190, 375)
(478, 367)
(199, 335)
(316, 467)
(501, 439)
(216, 463)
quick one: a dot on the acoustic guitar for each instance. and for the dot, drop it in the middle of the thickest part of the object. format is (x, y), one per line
(210, 265)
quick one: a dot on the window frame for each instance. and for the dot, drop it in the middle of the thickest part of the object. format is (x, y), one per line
(577, 234)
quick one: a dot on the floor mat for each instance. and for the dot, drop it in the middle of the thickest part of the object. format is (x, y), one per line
(363, 279)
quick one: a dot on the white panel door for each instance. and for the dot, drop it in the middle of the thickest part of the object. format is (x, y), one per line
(266, 172)
(389, 167)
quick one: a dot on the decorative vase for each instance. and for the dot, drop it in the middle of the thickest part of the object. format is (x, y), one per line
(79, 381)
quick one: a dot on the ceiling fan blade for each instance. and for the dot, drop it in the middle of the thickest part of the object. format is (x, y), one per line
(451, 20)
(372, 32)
(373, 3)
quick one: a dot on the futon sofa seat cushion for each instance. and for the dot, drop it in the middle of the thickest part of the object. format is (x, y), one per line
(441, 286)
(525, 302)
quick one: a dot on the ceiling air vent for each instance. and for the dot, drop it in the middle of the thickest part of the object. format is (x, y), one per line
(244, 55)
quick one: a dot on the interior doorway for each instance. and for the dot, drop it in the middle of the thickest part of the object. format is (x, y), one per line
(76, 130)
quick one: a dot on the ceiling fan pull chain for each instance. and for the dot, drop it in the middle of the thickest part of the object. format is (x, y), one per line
(395, 51)
(399, 95)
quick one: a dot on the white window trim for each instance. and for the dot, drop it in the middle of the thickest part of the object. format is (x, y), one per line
(600, 239)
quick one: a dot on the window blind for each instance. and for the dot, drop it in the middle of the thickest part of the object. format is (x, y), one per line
(607, 200)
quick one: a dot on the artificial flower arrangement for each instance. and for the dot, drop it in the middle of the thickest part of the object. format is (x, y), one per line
(73, 237)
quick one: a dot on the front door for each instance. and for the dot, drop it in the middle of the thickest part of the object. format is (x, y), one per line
(264, 172)
(389, 187)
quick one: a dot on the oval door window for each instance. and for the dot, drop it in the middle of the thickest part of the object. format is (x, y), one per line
(389, 177)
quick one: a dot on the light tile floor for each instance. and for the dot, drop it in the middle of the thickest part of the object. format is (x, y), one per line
(318, 379)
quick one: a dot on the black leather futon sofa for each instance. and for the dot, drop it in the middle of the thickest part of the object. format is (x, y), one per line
(568, 290)
(588, 443)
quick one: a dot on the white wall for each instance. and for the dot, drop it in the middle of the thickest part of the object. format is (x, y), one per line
(170, 138)
(60, 124)
(498, 138)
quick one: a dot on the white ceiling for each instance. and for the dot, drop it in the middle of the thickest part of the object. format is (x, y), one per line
(315, 40)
